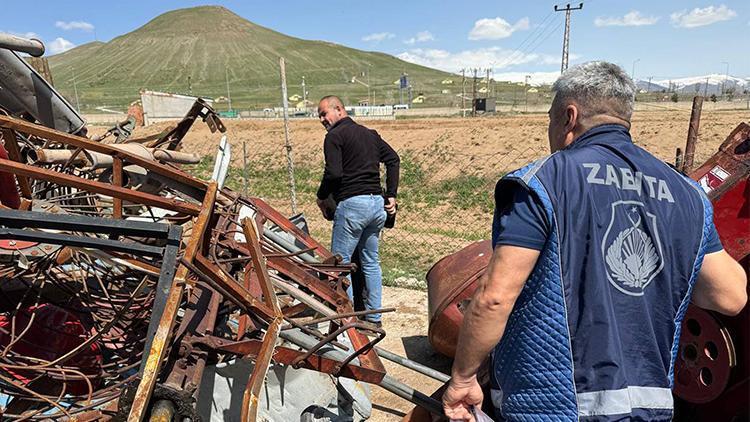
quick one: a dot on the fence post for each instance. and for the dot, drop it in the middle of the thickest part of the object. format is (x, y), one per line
(287, 144)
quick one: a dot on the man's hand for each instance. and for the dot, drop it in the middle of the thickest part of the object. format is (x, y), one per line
(460, 396)
(322, 206)
(390, 205)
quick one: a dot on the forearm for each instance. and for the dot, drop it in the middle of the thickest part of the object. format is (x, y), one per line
(483, 326)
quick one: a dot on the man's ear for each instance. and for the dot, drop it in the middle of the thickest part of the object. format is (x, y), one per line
(571, 116)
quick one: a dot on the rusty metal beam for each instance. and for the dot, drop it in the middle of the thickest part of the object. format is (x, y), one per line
(14, 153)
(156, 352)
(98, 187)
(80, 142)
(117, 181)
(263, 361)
(231, 289)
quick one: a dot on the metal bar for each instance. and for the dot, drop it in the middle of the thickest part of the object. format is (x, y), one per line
(263, 360)
(407, 393)
(77, 141)
(158, 347)
(80, 241)
(163, 285)
(416, 366)
(117, 181)
(228, 288)
(269, 212)
(98, 187)
(14, 153)
(259, 265)
(284, 355)
(79, 223)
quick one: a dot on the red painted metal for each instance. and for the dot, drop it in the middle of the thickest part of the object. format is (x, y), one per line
(718, 388)
(52, 332)
(9, 195)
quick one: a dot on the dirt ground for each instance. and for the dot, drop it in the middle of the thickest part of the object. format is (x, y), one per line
(406, 335)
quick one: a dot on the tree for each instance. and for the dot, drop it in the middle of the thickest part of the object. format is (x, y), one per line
(674, 97)
(713, 98)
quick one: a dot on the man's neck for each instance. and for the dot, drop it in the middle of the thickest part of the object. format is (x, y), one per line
(599, 120)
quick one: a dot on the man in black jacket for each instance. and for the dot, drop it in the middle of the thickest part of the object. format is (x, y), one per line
(353, 154)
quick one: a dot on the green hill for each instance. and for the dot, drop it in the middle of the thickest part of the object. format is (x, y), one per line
(201, 47)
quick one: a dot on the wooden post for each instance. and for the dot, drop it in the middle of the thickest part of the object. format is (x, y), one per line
(287, 144)
(692, 136)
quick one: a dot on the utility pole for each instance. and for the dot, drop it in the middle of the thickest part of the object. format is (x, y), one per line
(229, 96)
(566, 38)
(474, 95)
(463, 92)
(287, 144)
(726, 78)
(649, 84)
(632, 71)
(190, 86)
(304, 95)
(526, 89)
(488, 84)
(705, 88)
(369, 98)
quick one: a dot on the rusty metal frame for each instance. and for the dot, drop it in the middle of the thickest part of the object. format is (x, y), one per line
(251, 398)
(87, 144)
(154, 354)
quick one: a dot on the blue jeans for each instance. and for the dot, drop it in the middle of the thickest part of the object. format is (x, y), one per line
(356, 226)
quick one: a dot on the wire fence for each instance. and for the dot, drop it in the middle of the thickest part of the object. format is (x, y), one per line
(445, 197)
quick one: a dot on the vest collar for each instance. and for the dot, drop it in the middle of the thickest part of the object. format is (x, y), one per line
(610, 132)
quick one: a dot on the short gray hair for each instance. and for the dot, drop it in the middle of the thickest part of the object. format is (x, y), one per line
(599, 88)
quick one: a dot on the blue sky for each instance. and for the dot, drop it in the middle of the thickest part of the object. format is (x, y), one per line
(659, 39)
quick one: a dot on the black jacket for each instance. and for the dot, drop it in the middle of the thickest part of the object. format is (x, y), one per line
(353, 154)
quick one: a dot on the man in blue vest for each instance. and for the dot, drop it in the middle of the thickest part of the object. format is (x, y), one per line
(598, 249)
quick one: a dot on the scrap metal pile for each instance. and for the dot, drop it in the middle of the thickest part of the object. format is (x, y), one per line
(123, 278)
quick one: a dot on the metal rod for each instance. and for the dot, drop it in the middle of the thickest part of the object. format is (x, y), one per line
(424, 370)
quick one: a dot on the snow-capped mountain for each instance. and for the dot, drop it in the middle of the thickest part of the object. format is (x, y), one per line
(711, 84)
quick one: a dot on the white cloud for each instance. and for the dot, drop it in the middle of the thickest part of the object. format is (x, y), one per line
(495, 29)
(497, 57)
(22, 34)
(67, 26)
(701, 17)
(422, 36)
(378, 37)
(60, 45)
(633, 18)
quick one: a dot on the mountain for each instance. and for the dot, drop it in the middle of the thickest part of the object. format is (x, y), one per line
(697, 84)
(204, 49)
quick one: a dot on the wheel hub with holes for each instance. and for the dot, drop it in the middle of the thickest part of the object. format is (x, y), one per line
(705, 358)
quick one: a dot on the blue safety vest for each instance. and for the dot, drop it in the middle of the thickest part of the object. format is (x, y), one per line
(594, 333)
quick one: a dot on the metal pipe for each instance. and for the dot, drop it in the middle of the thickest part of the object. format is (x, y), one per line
(394, 386)
(408, 363)
(407, 393)
(30, 46)
(289, 246)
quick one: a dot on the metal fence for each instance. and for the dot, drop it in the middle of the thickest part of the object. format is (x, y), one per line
(445, 197)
